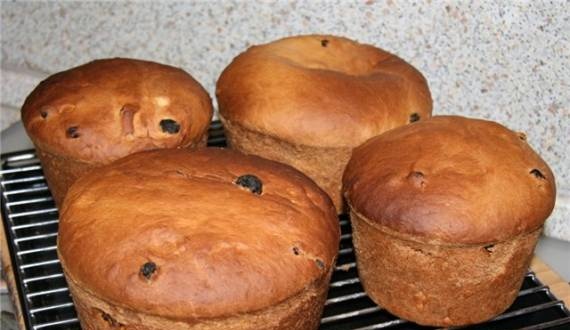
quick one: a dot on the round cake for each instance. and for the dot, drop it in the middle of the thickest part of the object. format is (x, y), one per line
(446, 214)
(201, 239)
(307, 101)
(106, 109)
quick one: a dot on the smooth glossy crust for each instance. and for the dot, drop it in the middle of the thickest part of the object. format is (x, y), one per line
(450, 180)
(321, 90)
(219, 249)
(106, 109)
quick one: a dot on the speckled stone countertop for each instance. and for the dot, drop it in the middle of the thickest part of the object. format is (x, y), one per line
(508, 63)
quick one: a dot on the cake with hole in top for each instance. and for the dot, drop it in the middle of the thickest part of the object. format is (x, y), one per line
(106, 109)
(205, 239)
(446, 214)
(307, 101)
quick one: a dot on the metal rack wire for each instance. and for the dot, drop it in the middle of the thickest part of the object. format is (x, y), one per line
(31, 222)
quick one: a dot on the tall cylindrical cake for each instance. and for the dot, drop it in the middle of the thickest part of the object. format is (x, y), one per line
(446, 214)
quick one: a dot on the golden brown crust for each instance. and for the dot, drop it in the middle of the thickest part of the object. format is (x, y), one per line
(219, 249)
(321, 91)
(107, 109)
(450, 180)
(300, 312)
(440, 285)
(61, 172)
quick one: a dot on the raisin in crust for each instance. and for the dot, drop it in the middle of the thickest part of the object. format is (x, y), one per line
(106, 109)
(446, 213)
(295, 99)
(182, 241)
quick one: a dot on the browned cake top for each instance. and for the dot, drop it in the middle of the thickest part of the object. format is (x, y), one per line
(106, 109)
(185, 234)
(451, 180)
(321, 90)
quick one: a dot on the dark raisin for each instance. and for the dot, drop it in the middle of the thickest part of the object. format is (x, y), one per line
(148, 269)
(414, 117)
(296, 251)
(72, 132)
(522, 136)
(489, 248)
(169, 126)
(251, 182)
(43, 113)
(537, 173)
(324, 42)
(320, 263)
(109, 319)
